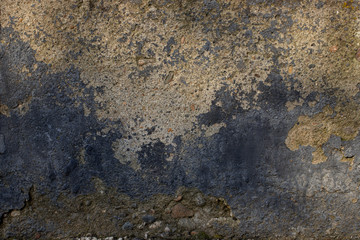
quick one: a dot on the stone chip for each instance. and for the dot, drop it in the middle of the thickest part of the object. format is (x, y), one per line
(180, 211)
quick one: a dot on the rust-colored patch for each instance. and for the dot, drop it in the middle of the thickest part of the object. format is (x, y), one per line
(291, 70)
(333, 48)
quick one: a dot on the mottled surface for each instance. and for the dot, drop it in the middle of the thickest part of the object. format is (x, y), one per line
(115, 113)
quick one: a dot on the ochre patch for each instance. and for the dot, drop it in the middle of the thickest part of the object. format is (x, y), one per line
(4, 110)
(343, 121)
(156, 75)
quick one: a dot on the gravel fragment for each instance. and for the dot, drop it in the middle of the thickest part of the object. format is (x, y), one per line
(169, 77)
(199, 200)
(358, 55)
(180, 211)
(312, 66)
(333, 48)
(148, 218)
(155, 225)
(127, 226)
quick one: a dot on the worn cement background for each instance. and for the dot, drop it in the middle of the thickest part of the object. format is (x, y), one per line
(179, 119)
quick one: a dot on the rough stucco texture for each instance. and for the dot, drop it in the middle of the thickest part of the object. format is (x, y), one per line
(111, 109)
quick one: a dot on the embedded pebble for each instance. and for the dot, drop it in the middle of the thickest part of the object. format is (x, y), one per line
(187, 223)
(127, 226)
(15, 213)
(182, 40)
(333, 48)
(358, 55)
(169, 77)
(199, 200)
(311, 66)
(349, 153)
(148, 218)
(155, 225)
(178, 198)
(141, 62)
(180, 211)
(141, 226)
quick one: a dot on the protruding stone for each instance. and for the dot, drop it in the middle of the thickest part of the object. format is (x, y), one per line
(333, 48)
(187, 223)
(127, 226)
(180, 211)
(148, 218)
(169, 77)
(178, 198)
(155, 225)
(15, 213)
(141, 62)
(199, 200)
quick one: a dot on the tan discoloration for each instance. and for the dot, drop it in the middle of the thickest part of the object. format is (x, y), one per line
(318, 156)
(81, 156)
(314, 131)
(4, 110)
(182, 40)
(138, 90)
(86, 110)
(332, 70)
(214, 129)
(121, 147)
(111, 60)
(349, 160)
(332, 52)
(291, 105)
(23, 106)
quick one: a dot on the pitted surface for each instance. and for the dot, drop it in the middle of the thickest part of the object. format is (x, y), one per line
(246, 111)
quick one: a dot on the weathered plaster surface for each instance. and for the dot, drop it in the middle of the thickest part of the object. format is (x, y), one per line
(250, 105)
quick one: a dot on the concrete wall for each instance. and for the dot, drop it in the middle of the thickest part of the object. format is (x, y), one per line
(179, 119)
